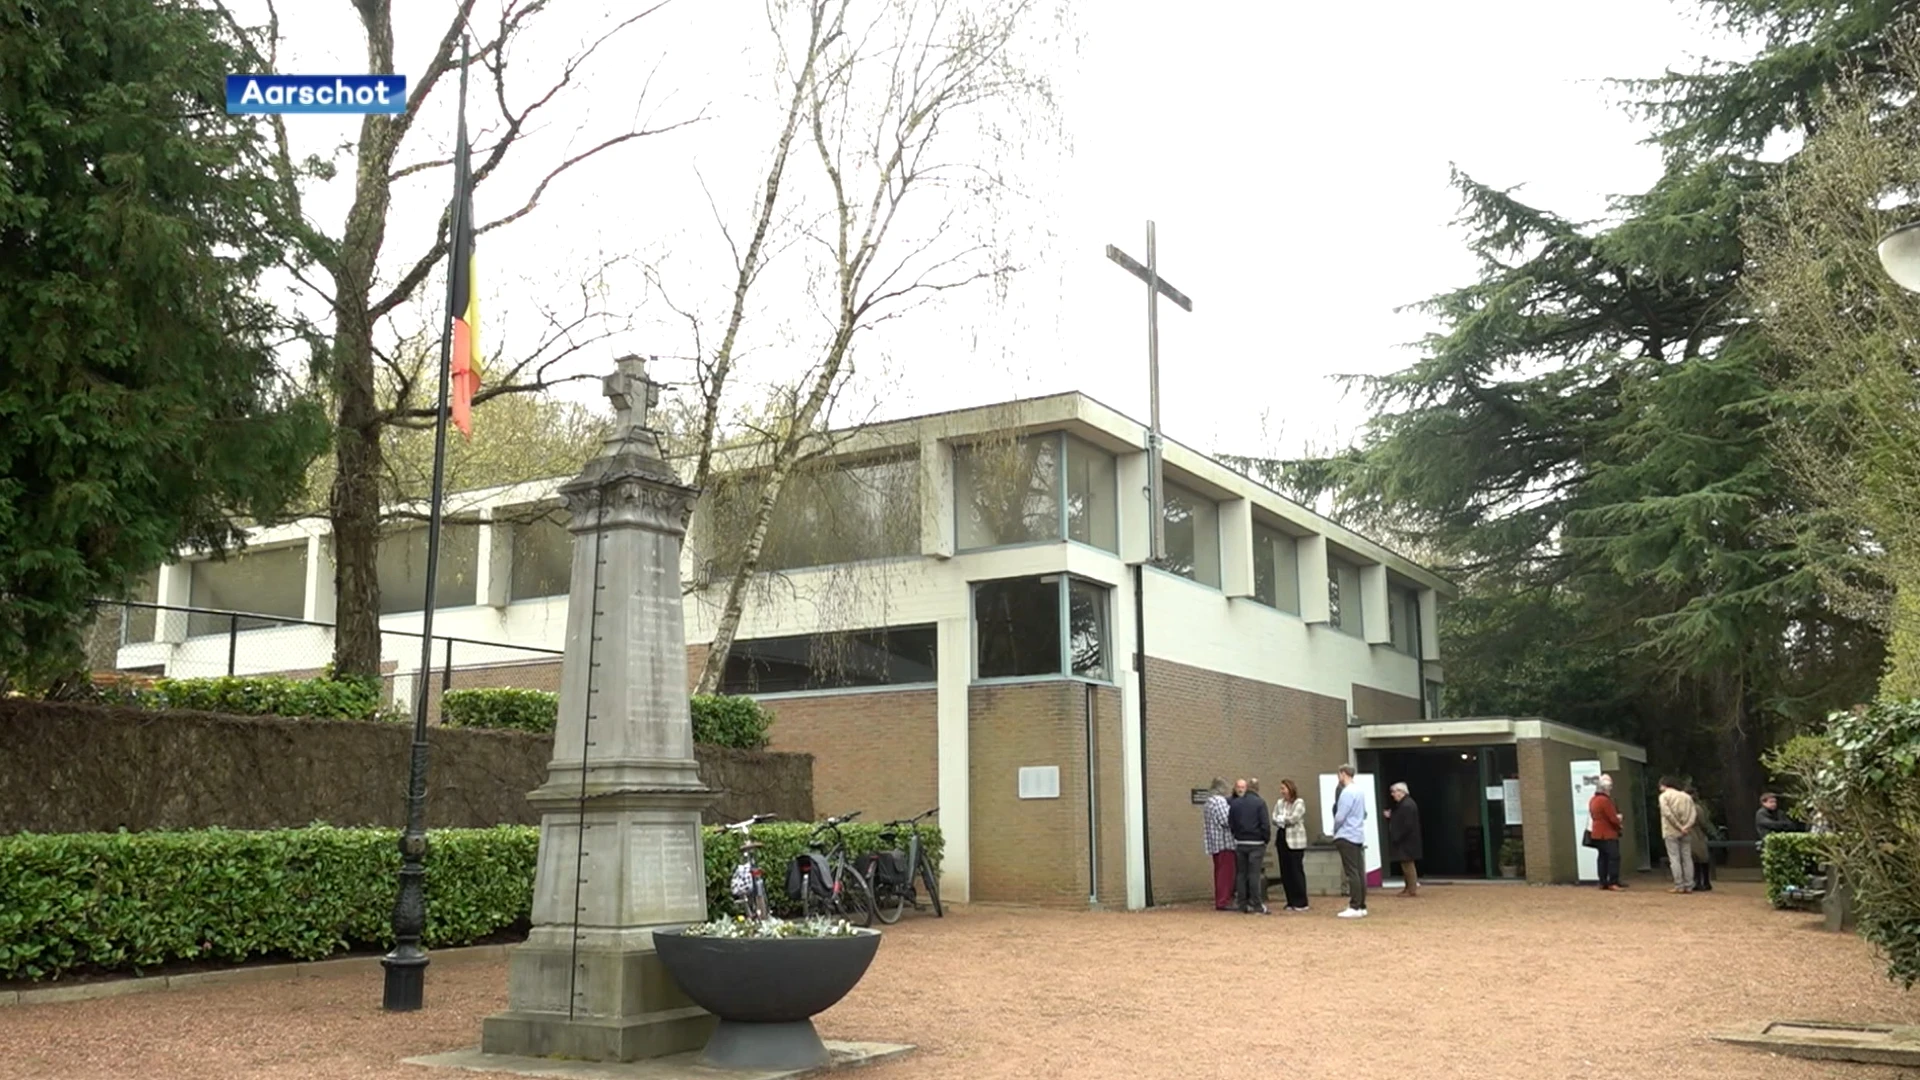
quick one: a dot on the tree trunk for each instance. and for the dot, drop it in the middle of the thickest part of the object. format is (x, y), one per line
(354, 503)
(1740, 776)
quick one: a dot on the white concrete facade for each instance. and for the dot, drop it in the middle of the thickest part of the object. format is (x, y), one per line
(1223, 629)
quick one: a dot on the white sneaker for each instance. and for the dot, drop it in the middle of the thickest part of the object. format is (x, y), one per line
(1352, 913)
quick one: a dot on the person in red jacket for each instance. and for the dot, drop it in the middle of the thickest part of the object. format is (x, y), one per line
(1604, 822)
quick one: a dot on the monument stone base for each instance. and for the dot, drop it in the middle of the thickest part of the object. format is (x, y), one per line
(651, 1017)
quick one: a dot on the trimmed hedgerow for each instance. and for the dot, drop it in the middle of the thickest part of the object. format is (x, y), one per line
(1787, 860)
(718, 719)
(128, 901)
(267, 695)
(500, 707)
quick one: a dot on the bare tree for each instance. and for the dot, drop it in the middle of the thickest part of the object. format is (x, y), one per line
(883, 94)
(361, 299)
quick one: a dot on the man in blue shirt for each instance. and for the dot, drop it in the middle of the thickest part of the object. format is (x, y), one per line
(1350, 839)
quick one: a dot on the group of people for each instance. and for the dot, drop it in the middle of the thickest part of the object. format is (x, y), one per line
(1685, 824)
(1236, 826)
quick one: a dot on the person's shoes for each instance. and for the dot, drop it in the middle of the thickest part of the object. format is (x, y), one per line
(1265, 910)
(1610, 888)
(1353, 913)
(1676, 890)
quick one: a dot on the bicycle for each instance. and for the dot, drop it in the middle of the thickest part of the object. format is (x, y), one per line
(828, 879)
(893, 889)
(749, 883)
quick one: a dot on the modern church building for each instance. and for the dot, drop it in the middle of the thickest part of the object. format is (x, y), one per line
(954, 613)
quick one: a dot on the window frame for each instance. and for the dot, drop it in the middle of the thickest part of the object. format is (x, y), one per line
(879, 688)
(1062, 523)
(1336, 612)
(1219, 539)
(1295, 611)
(1063, 583)
(1410, 615)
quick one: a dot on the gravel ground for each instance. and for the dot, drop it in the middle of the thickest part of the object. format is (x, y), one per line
(1480, 981)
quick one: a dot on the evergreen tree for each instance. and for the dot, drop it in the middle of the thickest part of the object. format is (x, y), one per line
(140, 408)
(1591, 438)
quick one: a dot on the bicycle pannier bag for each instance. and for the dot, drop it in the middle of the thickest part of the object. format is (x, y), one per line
(800, 869)
(890, 868)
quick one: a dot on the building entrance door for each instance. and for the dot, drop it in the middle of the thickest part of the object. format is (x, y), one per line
(1445, 782)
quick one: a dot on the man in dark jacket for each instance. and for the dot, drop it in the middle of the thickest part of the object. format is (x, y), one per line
(1403, 838)
(1251, 826)
(1770, 819)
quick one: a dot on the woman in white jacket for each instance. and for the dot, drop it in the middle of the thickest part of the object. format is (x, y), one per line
(1290, 836)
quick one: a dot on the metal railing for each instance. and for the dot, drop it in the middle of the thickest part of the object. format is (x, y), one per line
(230, 649)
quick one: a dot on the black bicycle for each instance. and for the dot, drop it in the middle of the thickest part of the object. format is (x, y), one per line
(749, 883)
(828, 881)
(891, 873)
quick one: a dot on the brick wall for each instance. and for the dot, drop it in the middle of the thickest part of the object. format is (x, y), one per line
(1380, 706)
(1035, 851)
(873, 751)
(1546, 810)
(1203, 724)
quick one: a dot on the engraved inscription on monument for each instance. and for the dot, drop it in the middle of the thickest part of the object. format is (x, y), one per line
(664, 881)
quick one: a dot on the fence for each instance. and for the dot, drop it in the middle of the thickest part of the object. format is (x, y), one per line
(138, 638)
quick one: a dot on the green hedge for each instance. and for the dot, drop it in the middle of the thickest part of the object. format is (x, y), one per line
(500, 707)
(726, 720)
(128, 901)
(718, 719)
(1787, 860)
(256, 695)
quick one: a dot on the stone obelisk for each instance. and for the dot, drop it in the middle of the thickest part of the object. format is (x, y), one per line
(620, 842)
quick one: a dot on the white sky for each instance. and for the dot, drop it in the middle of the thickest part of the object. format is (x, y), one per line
(1294, 157)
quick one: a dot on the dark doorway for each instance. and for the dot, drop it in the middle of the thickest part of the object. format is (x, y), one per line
(1446, 782)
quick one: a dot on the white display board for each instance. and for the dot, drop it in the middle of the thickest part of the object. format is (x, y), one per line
(1512, 802)
(1585, 778)
(1329, 785)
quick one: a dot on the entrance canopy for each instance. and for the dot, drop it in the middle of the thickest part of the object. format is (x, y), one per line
(1488, 731)
(1506, 796)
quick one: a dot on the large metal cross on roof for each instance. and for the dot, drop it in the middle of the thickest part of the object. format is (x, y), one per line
(1156, 288)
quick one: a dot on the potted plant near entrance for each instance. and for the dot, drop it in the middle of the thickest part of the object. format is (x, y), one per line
(1513, 855)
(766, 980)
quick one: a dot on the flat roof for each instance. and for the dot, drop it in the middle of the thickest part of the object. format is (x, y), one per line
(1464, 730)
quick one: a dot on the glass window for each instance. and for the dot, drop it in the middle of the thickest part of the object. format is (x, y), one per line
(1007, 492)
(836, 513)
(1193, 535)
(889, 656)
(1018, 624)
(1276, 569)
(401, 563)
(1092, 496)
(1433, 699)
(1018, 628)
(1087, 629)
(1344, 611)
(270, 581)
(1403, 619)
(542, 554)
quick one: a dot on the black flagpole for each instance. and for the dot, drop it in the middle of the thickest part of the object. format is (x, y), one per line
(406, 965)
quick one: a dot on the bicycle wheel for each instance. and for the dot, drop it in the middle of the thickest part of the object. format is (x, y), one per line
(855, 896)
(933, 886)
(888, 902)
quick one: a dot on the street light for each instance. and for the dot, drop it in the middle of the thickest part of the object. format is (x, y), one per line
(1900, 255)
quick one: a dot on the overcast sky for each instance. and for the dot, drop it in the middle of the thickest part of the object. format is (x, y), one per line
(1295, 158)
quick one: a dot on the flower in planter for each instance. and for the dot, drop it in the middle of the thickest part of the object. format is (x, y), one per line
(741, 927)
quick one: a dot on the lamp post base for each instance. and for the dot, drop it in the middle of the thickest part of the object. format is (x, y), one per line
(406, 982)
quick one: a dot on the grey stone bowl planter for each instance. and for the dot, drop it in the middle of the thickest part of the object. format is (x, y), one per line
(766, 992)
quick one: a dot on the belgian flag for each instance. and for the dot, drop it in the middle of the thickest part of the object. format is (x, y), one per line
(464, 295)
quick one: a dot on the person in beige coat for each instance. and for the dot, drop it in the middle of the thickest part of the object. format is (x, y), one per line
(1678, 816)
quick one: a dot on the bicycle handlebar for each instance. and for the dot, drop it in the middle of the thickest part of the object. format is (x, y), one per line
(841, 819)
(917, 819)
(757, 819)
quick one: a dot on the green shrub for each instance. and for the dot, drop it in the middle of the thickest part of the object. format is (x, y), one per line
(127, 901)
(1787, 860)
(1862, 778)
(250, 695)
(726, 720)
(500, 707)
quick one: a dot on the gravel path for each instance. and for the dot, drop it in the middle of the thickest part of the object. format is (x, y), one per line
(1482, 981)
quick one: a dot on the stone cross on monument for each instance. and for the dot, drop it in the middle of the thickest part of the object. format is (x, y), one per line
(620, 841)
